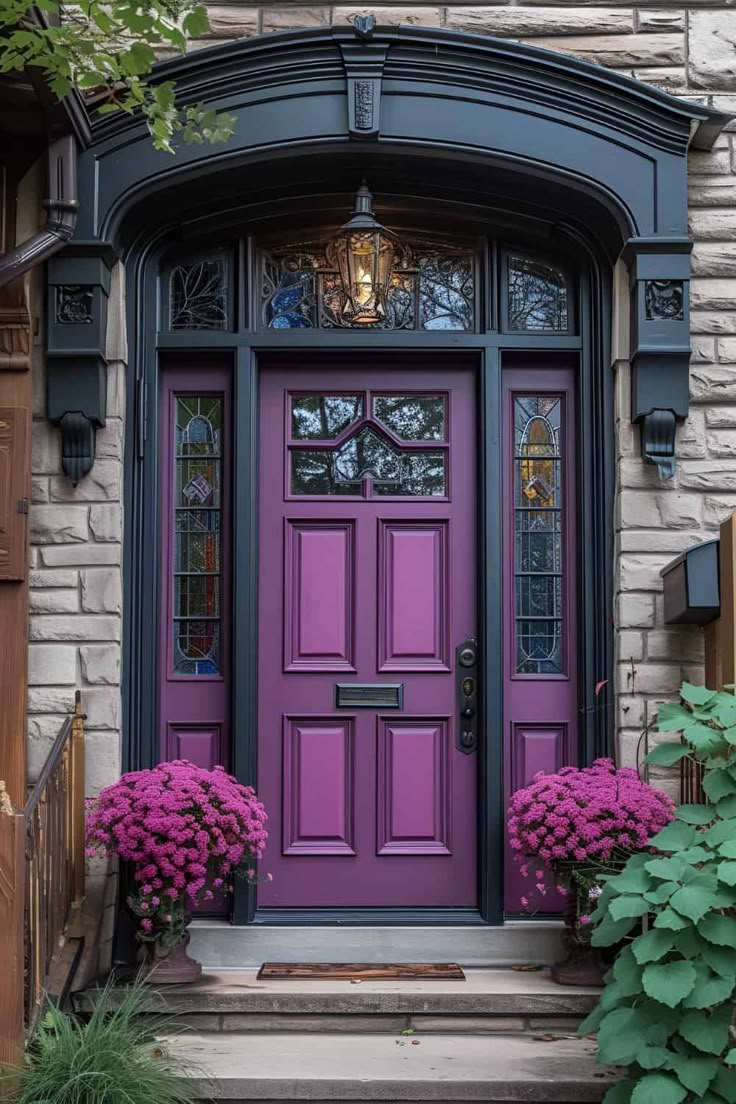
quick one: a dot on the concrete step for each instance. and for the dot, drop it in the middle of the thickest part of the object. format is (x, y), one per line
(487, 1001)
(220, 946)
(502, 1069)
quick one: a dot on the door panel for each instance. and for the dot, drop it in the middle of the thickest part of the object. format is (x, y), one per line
(367, 576)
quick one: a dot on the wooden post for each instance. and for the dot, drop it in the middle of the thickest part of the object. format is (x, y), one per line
(12, 906)
(725, 634)
(77, 788)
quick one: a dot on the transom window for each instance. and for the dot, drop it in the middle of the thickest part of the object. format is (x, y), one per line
(367, 445)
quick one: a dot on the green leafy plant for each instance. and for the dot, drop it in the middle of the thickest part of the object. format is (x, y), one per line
(667, 1005)
(107, 50)
(111, 1057)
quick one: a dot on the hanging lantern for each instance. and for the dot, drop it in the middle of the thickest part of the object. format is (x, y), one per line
(363, 253)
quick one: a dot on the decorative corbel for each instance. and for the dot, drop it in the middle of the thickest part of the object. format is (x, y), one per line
(364, 59)
(79, 286)
(659, 272)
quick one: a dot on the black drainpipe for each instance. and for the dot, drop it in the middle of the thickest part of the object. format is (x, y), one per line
(62, 207)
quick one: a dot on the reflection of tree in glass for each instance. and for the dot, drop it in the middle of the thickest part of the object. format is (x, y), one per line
(323, 417)
(412, 417)
(446, 291)
(537, 296)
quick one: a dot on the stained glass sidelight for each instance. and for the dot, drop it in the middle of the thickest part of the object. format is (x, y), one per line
(431, 287)
(369, 460)
(197, 535)
(538, 533)
(537, 296)
(198, 295)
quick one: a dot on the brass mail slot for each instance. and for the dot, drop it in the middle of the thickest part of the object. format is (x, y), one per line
(369, 695)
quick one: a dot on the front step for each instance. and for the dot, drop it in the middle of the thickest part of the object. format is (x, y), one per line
(220, 946)
(486, 1002)
(504, 1069)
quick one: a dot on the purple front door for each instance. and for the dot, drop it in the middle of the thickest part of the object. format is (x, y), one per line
(367, 577)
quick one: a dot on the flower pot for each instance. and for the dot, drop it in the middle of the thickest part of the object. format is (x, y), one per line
(172, 965)
(583, 965)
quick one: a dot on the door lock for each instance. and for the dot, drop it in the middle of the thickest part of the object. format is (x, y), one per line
(466, 656)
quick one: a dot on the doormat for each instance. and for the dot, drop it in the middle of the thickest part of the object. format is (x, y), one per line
(361, 971)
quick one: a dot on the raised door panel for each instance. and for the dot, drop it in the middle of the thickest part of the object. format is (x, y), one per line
(413, 786)
(199, 743)
(318, 786)
(13, 433)
(536, 748)
(319, 595)
(413, 595)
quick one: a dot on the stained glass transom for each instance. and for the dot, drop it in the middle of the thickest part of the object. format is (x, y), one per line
(368, 457)
(432, 287)
(538, 533)
(196, 624)
(198, 295)
(537, 296)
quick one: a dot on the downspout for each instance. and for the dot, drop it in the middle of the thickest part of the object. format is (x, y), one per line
(60, 224)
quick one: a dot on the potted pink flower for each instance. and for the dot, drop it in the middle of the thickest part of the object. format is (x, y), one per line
(582, 824)
(186, 831)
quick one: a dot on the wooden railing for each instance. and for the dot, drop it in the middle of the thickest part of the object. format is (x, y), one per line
(41, 884)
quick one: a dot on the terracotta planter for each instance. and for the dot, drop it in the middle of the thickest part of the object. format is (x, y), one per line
(172, 965)
(583, 965)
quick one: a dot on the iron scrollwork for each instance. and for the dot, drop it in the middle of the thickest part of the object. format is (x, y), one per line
(74, 304)
(664, 300)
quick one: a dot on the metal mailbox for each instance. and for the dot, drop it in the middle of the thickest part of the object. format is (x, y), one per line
(692, 586)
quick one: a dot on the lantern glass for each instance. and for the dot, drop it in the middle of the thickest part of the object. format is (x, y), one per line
(364, 252)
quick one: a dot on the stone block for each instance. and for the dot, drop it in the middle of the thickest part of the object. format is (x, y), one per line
(42, 731)
(58, 524)
(681, 644)
(711, 191)
(726, 104)
(106, 522)
(39, 489)
(232, 21)
(45, 448)
(712, 293)
(707, 322)
(102, 484)
(468, 1025)
(287, 19)
(50, 699)
(722, 417)
(629, 645)
(102, 707)
(657, 540)
(630, 710)
(660, 19)
(101, 590)
(690, 440)
(716, 508)
(667, 510)
(52, 665)
(619, 51)
(78, 627)
(80, 555)
(635, 611)
(102, 753)
(712, 225)
(38, 579)
(641, 571)
(525, 22)
(116, 389)
(54, 601)
(391, 16)
(708, 475)
(707, 162)
(726, 350)
(722, 442)
(657, 678)
(669, 79)
(109, 440)
(703, 350)
(627, 750)
(712, 49)
(100, 663)
(712, 384)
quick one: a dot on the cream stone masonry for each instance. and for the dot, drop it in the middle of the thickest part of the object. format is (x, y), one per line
(688, 49)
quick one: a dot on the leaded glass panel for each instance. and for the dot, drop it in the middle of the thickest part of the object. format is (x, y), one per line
(537, 296)
(538, 533)
(198, 295)
(196, 624)
(431, 287)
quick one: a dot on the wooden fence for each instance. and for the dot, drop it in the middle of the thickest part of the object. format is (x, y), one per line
(41, 884)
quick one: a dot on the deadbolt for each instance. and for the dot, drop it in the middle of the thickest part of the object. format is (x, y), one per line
(467, 656)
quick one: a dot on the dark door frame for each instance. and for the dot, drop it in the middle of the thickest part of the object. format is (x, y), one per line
(242, 350)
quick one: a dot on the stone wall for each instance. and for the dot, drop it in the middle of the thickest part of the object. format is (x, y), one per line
(688, 49)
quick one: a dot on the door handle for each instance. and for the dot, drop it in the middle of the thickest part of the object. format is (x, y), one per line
(466, 672)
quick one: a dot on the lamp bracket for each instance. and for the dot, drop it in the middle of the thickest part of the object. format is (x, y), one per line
(658, 429)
